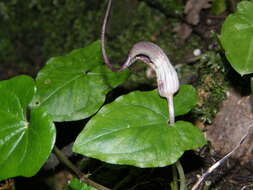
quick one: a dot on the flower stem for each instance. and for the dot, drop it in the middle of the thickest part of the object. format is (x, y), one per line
(171, 109)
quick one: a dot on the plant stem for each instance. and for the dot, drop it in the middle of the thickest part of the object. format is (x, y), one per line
(171, 109)
(76, 170)
(67, 162)
(181, 175)
(175, 178)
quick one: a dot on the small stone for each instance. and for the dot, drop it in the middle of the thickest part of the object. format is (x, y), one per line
(197, 52)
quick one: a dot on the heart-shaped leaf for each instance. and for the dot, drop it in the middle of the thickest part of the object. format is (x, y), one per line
(24, 145)
(23, 86)
(74, 86)
(237, 38)
(133, 130)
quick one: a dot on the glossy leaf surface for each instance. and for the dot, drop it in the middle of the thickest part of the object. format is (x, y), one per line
(74, 86)
(23, 86)
(24, 144)
(237, 38)
(185, 100)
(133, 130)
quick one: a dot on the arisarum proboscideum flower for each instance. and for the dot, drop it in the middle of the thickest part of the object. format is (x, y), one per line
(154, 56)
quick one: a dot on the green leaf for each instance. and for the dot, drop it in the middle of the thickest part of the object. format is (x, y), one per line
(237, 38)
(185, 100)
(74, 86)
(23, 86)
(24, 145)
(75, 184)
(133, 130)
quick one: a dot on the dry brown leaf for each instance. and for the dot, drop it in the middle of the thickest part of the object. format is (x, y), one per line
(233, 121)
(183, 30)
(193, 8)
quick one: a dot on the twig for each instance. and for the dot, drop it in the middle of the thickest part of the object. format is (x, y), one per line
(76, 170)
(217, 164)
